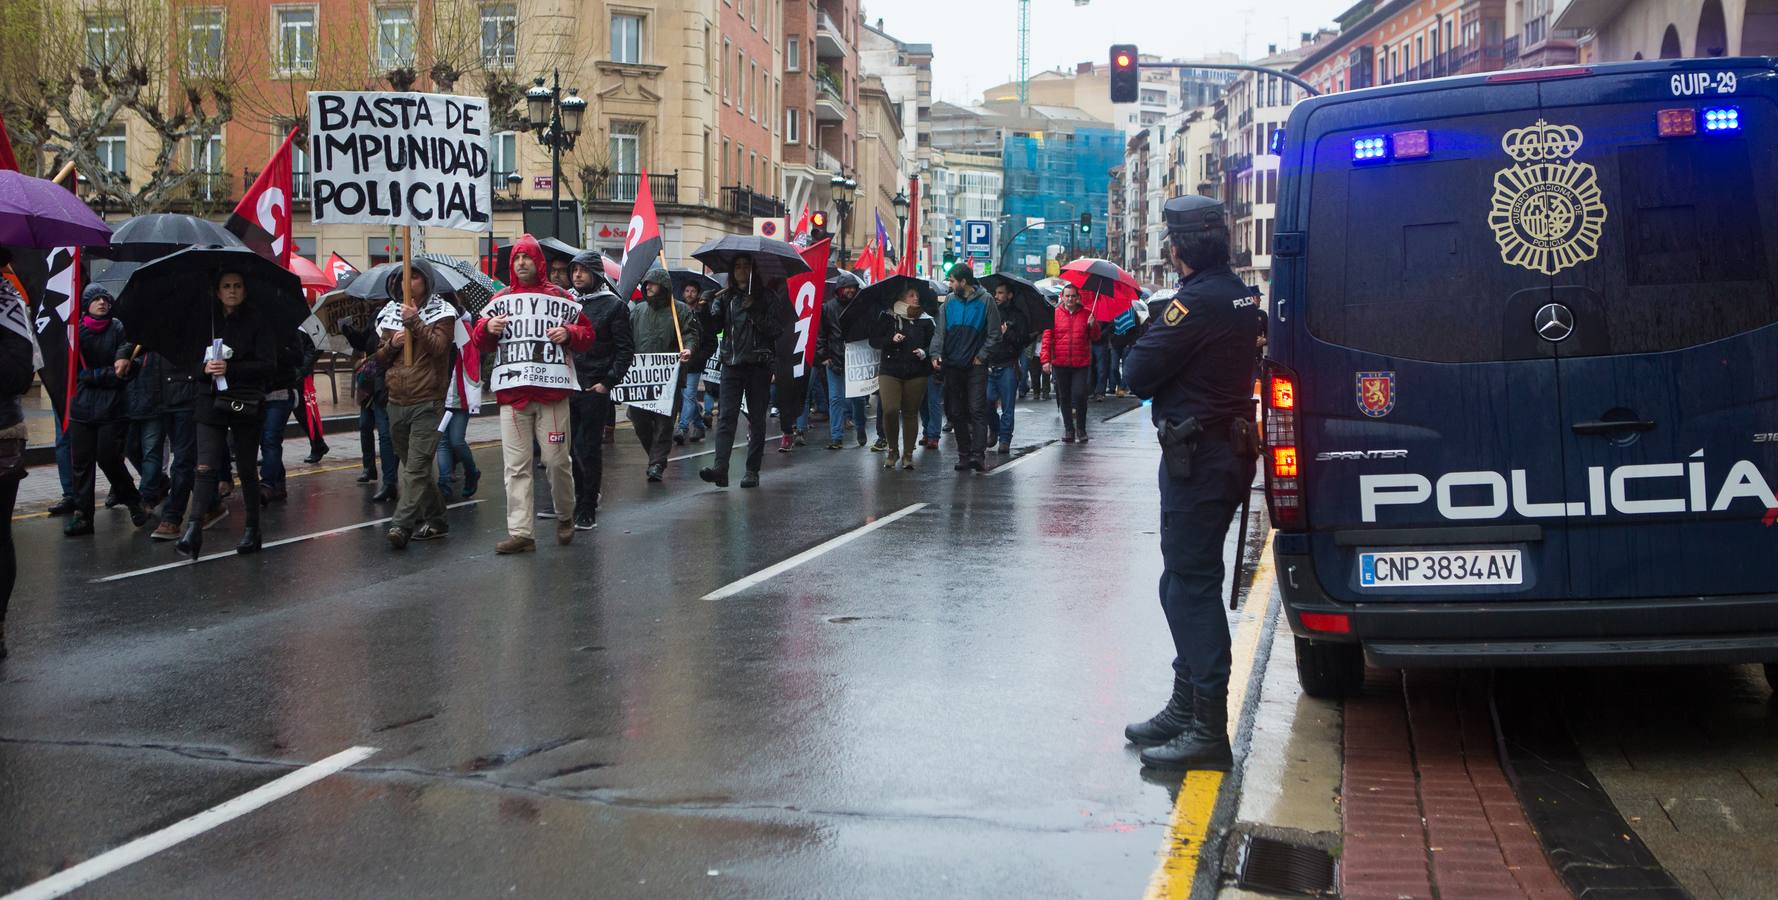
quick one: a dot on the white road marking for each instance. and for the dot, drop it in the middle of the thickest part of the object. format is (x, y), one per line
(1137, 408)
(226, 554)
(690, 456)
(803, 557)
(1007, 465)
(143, 847)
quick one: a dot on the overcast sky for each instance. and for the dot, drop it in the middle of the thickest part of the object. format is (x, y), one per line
(975, 42)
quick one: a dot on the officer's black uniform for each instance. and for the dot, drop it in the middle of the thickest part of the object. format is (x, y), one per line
(1196, 362)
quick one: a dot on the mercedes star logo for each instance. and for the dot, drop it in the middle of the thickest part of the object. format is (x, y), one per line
(1554, 322)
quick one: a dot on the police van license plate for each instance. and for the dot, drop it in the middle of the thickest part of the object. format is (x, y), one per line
(1439, 568)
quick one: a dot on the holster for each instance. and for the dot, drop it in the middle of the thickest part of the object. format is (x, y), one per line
(1244, 439)
(1178, 440)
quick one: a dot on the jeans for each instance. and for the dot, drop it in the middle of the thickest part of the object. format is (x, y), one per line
(1101, 368)
(415, 432)
(1195, 516)
(95, 446)
(213, 443)
(146, 448)
(453, 451)
(588, 414)
(271, 442)
(376, 442)
(691, 410)
(902, 401)
(932, 415)
(839, 406)
(1071, 396)
(1003, 388)
(755, 384)
(1115, 369)
(182, 441)
(966, 404)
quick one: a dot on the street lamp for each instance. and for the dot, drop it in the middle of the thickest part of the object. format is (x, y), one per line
(843, 189)
(901, 209)
(557, 120)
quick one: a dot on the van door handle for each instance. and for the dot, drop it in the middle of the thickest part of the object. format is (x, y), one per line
(1618, 427)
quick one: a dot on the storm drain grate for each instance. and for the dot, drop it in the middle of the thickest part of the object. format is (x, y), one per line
(1278, 867)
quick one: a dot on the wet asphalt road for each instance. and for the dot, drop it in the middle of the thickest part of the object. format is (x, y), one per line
(932, 709)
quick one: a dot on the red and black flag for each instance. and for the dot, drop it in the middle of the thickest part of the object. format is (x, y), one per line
(642, 243)
(262, 219)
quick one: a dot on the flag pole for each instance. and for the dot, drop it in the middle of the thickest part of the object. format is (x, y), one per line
(672, 301)
(407, 271)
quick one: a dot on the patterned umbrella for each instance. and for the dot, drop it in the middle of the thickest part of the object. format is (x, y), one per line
(473, 287)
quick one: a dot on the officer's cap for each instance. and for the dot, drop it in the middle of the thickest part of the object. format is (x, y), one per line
(1192, 213)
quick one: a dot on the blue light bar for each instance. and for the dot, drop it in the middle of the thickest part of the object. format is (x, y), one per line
(1718, 119)
(1374, 148)
(1277, 148)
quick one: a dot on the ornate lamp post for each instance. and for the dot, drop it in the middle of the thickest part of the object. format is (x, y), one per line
(843, 190)
(557, 120)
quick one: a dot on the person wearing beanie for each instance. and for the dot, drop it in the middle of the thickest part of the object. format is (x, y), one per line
(652, 324)
(417, 388)
(601, 368)
(98, 419)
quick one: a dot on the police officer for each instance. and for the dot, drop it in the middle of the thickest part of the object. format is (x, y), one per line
(1196, 363)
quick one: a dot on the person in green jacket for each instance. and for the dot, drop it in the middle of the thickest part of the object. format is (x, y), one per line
(652, 328)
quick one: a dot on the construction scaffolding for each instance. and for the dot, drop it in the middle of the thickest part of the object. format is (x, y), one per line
(1057, 176)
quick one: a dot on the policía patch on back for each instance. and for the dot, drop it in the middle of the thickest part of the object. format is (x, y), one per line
(1376, 393)
(1176, 313)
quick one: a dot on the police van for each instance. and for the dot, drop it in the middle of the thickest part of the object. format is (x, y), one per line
(1521, 403)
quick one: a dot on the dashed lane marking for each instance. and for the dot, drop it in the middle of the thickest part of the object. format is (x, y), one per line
(1198, 793)
(831, 544)
(143, 847)
(226, 554)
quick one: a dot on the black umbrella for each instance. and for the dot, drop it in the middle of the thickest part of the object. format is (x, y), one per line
(771, 259)
(683, 277)
(1030, 300)
(554, 248)
(166, 304)
(154, 235)
(374, 283)
(886, 293)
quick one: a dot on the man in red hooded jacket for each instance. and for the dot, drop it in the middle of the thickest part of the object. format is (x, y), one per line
(535, 413)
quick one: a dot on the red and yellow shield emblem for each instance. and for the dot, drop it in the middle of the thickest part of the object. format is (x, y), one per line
(1376, 393)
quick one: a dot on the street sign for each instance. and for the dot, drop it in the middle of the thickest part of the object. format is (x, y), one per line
(542, 182)
(978, 237)
(770, 227)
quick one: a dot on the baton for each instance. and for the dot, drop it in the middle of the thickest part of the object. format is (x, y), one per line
(1246, 506)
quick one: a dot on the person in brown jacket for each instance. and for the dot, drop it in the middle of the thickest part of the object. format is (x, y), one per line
(416, 400)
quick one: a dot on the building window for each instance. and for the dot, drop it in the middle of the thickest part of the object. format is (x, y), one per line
(793, 119)
(295, 48)
(206, 158)
(626, 39)
(753, 76)
(726, 80)
(203, 41)
(626, 147)
(741, 82)
(396, 37)
(793, 54)
(500, 26)
(725, 171)
(503, 157)
(114, 151)
(104, 39)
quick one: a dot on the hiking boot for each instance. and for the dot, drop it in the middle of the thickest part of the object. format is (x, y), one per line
(718, 477)
(750, 480)
(515, 544)
(1169, 723)
(165, 531)
(398, 537)
(1203, 745)
(564, 531)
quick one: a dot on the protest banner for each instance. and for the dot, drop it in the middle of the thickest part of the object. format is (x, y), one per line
(807, 291)
(650, 383)
(525, 356)
(394, 158)
(862, 363)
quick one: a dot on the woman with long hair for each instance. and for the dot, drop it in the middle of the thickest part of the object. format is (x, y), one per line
(902, 333)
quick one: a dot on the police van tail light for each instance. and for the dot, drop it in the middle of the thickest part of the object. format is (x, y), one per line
(1284, 496)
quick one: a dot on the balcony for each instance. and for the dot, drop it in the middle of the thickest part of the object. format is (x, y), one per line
(299, 184)
(209, 188)
(621, 188)
(1509, 51)
(749, 203)
(829, 162)
(1239, 163)
(829, 42)
(830, 103)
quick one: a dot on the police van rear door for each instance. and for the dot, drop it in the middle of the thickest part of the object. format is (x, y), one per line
(1431, 425)
(1665, 324)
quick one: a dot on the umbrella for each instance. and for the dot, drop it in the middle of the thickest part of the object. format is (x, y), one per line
(553, 247)
(1051, 284)
(1111, 288)
(683, 277)
(473, 287)
(771, 259)
(151, 236)
(1037, 311)
(310, 274)
(338, 308)
(374, 283)
(166, 304)
(886, 293)
(837, 279)
(37, 212)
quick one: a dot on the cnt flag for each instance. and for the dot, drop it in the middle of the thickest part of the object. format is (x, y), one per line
(338, 268)
(51, 280)
(807, 291)
(262, 219)
(642, 243)
(800, 234)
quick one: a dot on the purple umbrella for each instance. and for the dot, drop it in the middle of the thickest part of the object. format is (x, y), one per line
(35, 212)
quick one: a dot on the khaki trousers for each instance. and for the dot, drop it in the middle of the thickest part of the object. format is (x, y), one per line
(549, 424)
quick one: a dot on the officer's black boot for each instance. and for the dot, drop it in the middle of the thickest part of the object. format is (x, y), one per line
(1167, 724)
(1204, 745)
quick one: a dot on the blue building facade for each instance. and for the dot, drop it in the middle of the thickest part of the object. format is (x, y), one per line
(1056, 176)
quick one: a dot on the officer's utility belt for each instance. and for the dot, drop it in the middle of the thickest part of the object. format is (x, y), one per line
(1180, 439)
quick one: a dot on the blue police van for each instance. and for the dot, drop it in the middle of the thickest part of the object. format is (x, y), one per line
(1521, 403)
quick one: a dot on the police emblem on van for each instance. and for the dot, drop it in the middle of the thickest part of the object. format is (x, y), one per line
(1376, 393)
(1548, 211)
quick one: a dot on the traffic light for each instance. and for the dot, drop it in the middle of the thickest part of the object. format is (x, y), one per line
(1086, 223)
(950, 262)
(818, 219)
(1124, 74)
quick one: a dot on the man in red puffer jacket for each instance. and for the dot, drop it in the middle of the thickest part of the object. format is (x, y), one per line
(1067, 354)
(531, 412)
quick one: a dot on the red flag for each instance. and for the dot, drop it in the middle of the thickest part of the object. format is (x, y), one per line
(807, 291)
(338, 268)
(642, 243)
(913, 237)
(801, 231)
(312, 404)
(73, 319)
(262, 218)
(7, 160)
(868, 261)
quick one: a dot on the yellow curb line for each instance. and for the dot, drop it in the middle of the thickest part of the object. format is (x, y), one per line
(1196, 803)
